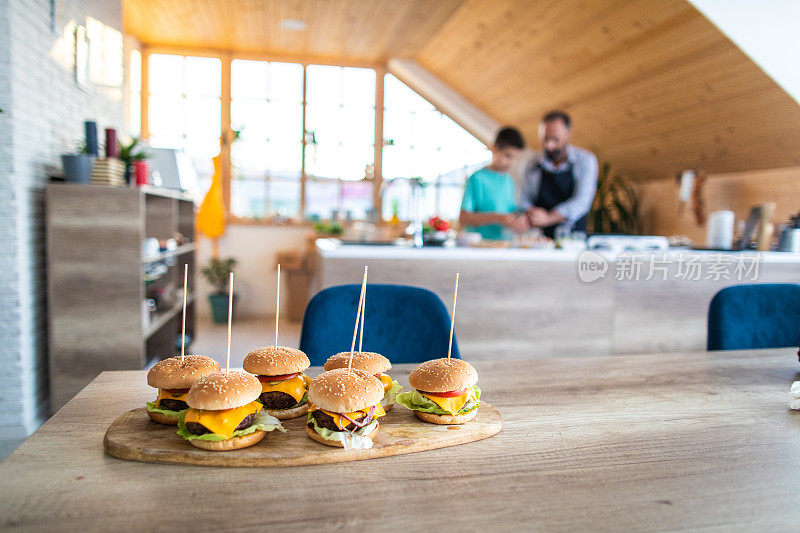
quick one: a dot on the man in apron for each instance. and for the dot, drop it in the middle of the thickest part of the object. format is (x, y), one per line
(559, 183)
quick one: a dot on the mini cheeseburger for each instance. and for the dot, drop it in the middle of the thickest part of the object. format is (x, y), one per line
(173, 377)
(284, 387)
(344, 408)
(371, 363)
(224, 414)
(445, 392)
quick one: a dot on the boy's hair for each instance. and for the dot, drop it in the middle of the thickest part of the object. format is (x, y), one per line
(509, 137)
(558, 115)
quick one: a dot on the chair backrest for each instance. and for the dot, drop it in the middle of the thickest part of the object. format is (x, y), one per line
(763, 315)
(405, 324)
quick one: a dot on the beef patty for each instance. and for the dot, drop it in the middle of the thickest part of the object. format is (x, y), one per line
(277, 400)
(324, 420)
(197, 428)
(172, 405)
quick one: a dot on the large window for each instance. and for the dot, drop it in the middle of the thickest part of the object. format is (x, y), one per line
(185, 107)
(285, 110)
(340, 140)
(419, 141)
(267, 110)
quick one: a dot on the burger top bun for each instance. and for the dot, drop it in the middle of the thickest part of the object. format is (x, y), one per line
(443, 375)
(181, 373)
(344, 391)
(223, 391)
(370, 362)
(275, 361)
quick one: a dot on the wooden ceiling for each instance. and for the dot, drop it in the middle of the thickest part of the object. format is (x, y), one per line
(652, 85)
(352, 30)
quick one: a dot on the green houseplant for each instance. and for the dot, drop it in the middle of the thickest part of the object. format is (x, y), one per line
(129, 155)
(78, 165)
(616, 207)
(217, 273)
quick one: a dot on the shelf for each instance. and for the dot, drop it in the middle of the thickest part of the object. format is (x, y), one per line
(166, 316)
(166, 193)
(169, 253)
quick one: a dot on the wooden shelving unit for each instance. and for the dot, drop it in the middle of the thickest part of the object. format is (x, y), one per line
(98, 299)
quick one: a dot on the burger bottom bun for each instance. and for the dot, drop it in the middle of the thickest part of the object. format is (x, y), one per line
(161, 418)
(231, 444)
(446, 419)
(286, 414)
(335, 443)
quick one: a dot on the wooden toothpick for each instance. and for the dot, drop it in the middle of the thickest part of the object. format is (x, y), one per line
(230, 318)
(358, 318)
(183, 327)
(453, 318)
(277, 305)
(363, 312)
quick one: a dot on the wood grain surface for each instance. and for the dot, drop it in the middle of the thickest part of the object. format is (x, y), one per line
(640, 442)
(133, 436)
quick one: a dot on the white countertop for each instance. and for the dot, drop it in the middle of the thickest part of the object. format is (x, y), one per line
(332, 250)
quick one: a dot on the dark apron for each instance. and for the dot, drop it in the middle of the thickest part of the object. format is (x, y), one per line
(555, 188)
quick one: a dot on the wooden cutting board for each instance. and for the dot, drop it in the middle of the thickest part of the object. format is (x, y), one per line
(135, 437)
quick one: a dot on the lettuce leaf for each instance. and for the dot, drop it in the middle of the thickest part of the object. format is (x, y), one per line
(153, 408)
(417, 402)
(262, 421)
(393, 391)
(350, 441)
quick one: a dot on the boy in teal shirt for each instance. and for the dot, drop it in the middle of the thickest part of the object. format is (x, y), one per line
(489, 200)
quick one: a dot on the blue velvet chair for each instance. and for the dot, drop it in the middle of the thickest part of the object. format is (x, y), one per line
(754, 316)
(405, 324)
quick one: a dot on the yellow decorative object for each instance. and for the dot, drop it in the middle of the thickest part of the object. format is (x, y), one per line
(211, 216)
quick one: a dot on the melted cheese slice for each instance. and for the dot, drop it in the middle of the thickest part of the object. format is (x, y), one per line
(386, 380)
(342, 422)
(294, 387)
(171, 394)
(454, 404)
(222, 422)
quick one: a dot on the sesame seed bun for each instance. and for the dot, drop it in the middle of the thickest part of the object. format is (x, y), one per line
(335, 443)
(223, 391)
(446, 419)
(275, 361)
(180, 373)
(345, 391)
(230, 444)
(443, 375)
(369, 362)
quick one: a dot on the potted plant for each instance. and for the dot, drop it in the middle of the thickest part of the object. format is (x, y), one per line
(129, 155)
(616, 207)
(78, 166)
(218, 272)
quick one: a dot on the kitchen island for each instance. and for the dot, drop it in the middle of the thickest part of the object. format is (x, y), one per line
(617, 443)
(519, 303)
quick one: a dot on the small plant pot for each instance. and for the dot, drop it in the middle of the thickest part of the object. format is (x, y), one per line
(77, 167)
(219, 307)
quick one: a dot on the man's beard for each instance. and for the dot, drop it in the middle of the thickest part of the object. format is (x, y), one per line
(554, 155)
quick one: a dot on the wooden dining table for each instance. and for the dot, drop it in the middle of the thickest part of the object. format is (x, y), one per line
(634, 442)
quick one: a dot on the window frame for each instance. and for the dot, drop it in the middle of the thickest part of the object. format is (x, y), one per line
(227, 57)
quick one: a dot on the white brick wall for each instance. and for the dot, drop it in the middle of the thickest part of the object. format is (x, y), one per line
(44, 114)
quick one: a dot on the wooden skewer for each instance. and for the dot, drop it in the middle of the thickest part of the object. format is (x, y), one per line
(453, 318)
(230, 318)
(277, 305)
(358, 319)
(183, 327)
(363, 312)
